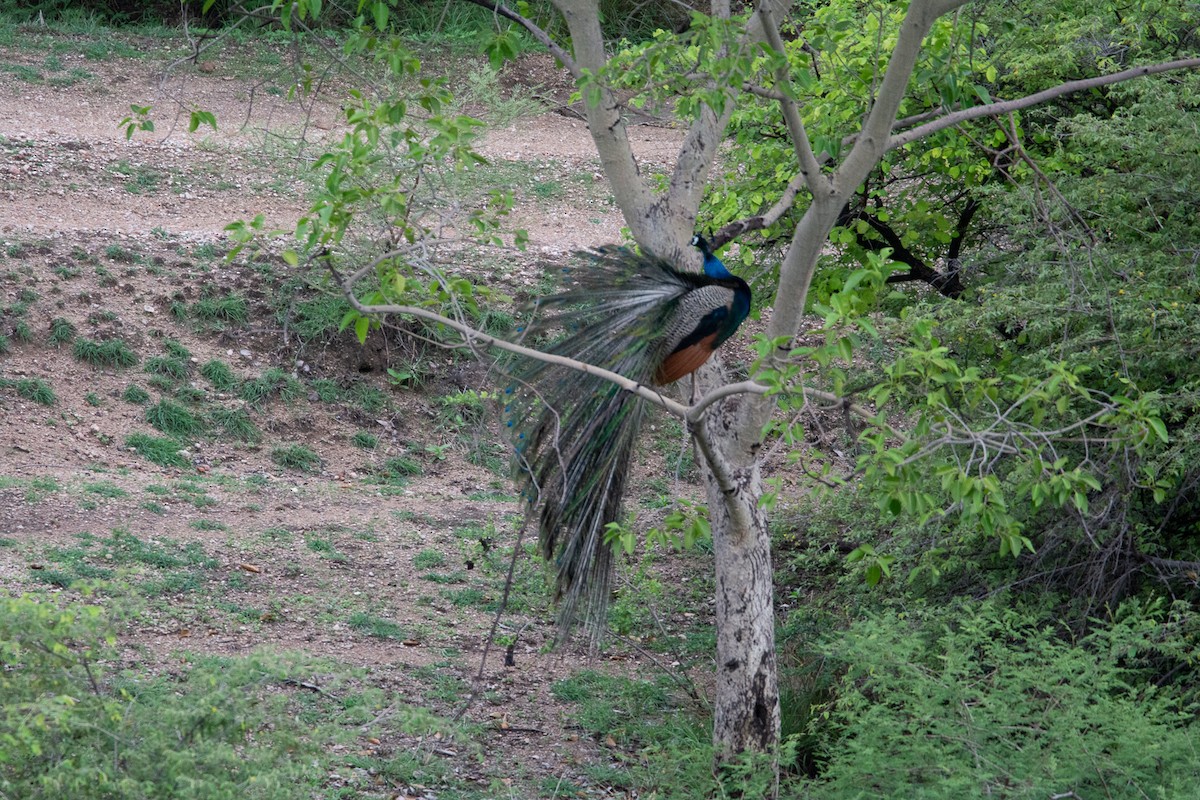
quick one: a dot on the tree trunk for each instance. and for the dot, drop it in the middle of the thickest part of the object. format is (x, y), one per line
(746, 706)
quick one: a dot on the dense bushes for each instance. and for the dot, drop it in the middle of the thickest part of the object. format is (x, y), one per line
(74, 725)
(985, 701)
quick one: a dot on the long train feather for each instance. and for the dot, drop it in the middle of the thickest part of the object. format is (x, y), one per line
(575, 432)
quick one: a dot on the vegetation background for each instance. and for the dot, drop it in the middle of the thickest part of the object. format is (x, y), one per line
(1029, 630)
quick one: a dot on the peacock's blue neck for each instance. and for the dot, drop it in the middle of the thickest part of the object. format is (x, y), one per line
(715, 268)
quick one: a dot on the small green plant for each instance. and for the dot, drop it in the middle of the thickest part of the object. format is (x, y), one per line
(327, 391)
(376, 626)
(5, 345)
(296, 456)
(429, 559)
(62, 331)
(278, 534)
(208, 525)
(22, 332)
(136, 395)
(173, 419)
(409, 375)
(35, 389)
(324, 548)
(118, 253)
(396, 470)
(27, 296)
(367, 397)
(93, 400)
(109, 353)
(462, 409)
(67, 271)
(273, 382)
(158, 450)
(168, 366)
(236, 424)
(230, 308)
(219, 374)
(177, 350)
(105, 489)
(190, 394)
(367, 441)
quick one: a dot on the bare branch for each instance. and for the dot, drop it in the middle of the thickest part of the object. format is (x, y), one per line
(696, 410)
(1004, 107)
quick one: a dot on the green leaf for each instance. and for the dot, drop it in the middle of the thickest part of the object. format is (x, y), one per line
(199, 118)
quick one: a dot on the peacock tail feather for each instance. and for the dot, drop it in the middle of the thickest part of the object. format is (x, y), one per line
(574, 433)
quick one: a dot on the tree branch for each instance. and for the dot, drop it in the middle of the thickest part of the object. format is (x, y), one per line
(534, 31)
(1004, 107)
(809, 167)
(733, 230)
(473, 337)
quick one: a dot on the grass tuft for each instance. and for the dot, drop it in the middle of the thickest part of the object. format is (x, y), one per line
(157, 450)
(230, 308)
(367, 441)
(34, 389)
(219, 374)
(236, 424)
(173, 419)
(110, 353)
(168, 366)
(296, 456)
(61, 331)
(273, 382)
(376, 626)
(136, 395)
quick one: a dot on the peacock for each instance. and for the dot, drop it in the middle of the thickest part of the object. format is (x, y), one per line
(574, 433)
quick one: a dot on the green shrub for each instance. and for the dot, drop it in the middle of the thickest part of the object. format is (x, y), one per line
(212, 728)
(981, 700)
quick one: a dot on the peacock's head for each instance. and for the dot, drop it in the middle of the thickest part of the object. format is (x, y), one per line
(700, 242)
